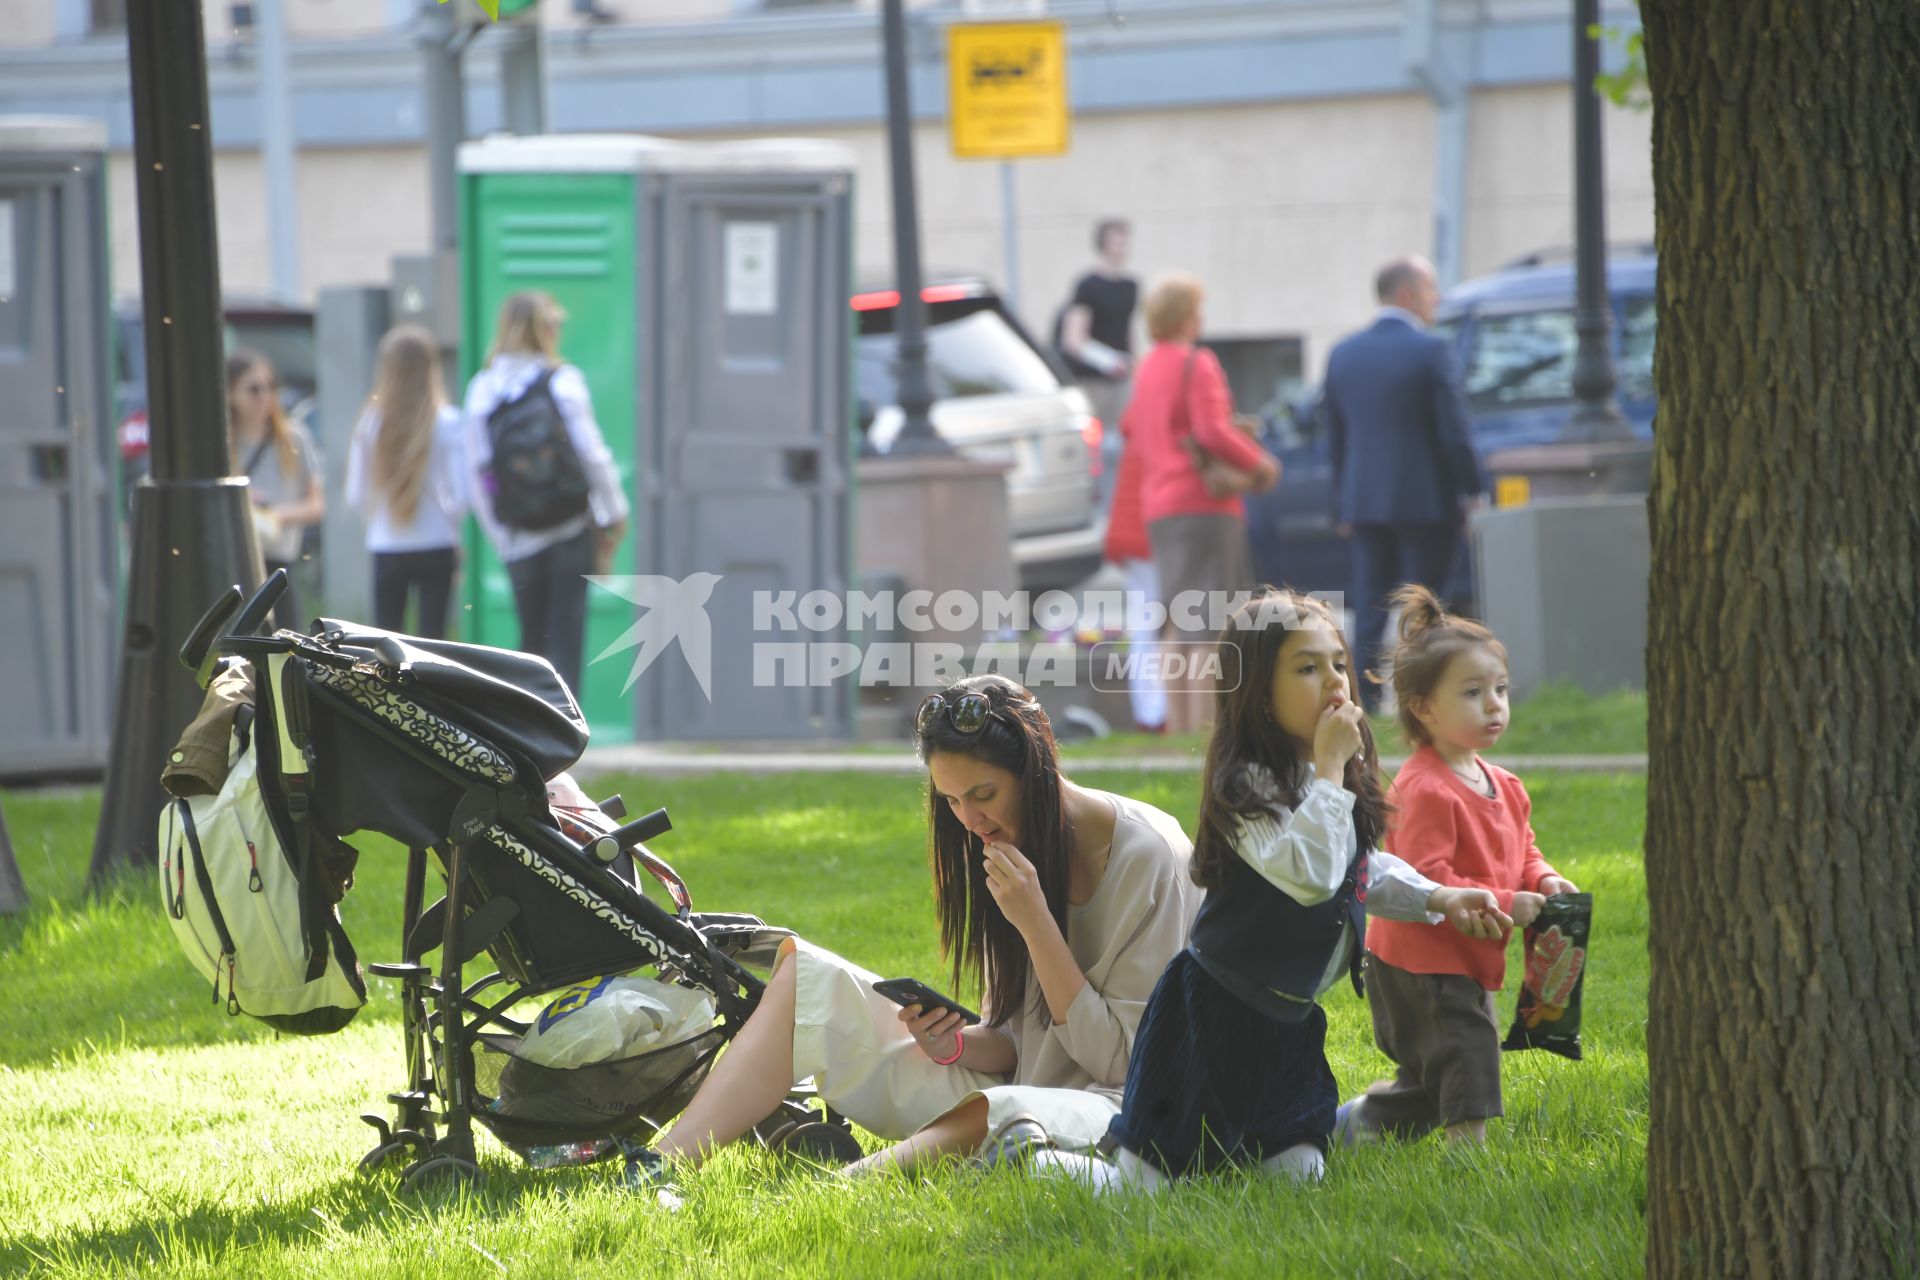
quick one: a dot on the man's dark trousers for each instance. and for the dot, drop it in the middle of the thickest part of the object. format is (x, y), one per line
(1386, 556)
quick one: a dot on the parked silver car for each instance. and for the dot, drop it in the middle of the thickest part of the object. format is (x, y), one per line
(996, 396)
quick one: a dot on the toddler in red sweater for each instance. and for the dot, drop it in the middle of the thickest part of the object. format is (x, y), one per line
(1459, 821)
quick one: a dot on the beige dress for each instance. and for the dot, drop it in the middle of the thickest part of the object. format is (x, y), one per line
(1069, 1076)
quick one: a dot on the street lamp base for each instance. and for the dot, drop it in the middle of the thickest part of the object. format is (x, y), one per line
(1596, 421)
(191, 540)
(919, 442)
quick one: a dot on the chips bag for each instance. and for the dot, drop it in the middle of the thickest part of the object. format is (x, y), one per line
(1548, 1016)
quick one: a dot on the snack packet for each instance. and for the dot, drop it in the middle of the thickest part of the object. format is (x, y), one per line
(1548, 1016)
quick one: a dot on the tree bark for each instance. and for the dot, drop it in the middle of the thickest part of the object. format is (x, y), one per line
(1784, 627)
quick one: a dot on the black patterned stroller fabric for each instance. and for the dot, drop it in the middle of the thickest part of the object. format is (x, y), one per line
(449, 749)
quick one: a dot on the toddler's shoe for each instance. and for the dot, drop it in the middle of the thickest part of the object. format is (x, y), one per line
(1349, 1130)
(646, 1174)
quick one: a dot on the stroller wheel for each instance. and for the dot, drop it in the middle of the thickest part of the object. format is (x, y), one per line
(378, 1158)
(817, 1140)
(787, 1115)
(450, 1171)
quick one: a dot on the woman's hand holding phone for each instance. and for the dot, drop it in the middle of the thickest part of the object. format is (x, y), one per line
(933, 1029)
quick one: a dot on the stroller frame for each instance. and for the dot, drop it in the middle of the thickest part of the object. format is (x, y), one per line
(501, 811)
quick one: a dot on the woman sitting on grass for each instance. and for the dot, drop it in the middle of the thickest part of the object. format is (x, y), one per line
(1062, 902)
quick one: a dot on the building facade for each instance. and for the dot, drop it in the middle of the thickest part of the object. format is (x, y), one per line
(1279, 149)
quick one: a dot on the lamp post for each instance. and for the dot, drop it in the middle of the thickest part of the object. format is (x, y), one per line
(917, 436)
(192, 523)
(1596, 414)
(13, 893)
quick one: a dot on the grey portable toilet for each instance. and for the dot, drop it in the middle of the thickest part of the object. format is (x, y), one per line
(59, 562)
(707, 291)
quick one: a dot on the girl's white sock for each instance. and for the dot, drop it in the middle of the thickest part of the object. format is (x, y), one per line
(1098, 1174)
(1303, 1163)
(1136, 1174)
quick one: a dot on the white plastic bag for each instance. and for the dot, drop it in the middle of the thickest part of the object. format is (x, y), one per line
(615, 1018)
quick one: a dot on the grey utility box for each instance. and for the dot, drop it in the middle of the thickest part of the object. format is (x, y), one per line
(1563, 583)
(707, 288)
(348, 325)
(59, 560)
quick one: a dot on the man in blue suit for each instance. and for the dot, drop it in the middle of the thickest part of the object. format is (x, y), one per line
(1405, 473)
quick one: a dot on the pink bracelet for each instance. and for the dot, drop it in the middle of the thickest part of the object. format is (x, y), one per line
(959, 1047)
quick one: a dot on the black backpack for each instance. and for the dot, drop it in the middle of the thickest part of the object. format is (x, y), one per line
(538, 481)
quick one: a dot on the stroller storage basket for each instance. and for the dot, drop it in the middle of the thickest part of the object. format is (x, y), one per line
(526, 1104)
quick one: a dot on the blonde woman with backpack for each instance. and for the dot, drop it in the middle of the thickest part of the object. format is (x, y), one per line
(406, 473)
(544, 484)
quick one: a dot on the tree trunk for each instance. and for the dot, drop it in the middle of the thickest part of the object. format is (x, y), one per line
(1783, 683)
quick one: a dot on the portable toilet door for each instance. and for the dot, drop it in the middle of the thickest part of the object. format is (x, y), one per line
(706, 287)
(59, 563)
(747, 410)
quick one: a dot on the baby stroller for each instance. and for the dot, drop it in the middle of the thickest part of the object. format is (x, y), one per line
(450, 750)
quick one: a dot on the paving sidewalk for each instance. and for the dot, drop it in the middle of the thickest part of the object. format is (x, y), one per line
(671, 760)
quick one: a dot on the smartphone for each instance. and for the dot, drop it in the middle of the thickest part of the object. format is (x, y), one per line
(906, 991)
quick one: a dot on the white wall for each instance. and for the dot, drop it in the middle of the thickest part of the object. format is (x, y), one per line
(1284, 210)
(1520, 174)
(27, 23)
(357, 209)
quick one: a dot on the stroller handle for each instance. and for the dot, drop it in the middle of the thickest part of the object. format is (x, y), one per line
(207, 644)
(261, 604)
(199, 645)
(639, 831)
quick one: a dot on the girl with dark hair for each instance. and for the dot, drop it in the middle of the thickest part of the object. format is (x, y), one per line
(1063, 903)
(1230, 1063)
(278, 457)
(1462, 821)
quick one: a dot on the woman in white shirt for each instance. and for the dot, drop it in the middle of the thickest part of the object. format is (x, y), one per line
(406, 473)
(1063, 902)
(552, 504)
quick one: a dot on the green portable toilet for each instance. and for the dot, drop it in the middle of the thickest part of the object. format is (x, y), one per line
(706, 287)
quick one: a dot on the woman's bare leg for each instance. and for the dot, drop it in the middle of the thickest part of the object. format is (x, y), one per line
(957, 1133)
(749, 1080)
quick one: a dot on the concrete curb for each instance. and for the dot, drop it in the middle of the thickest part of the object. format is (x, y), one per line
(666, 760)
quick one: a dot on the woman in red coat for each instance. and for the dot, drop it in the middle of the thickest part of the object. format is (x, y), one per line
(1198, 541)
(1128, 550)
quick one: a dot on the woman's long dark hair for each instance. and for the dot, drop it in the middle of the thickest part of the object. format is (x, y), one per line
(1244, 734)
(980, 942)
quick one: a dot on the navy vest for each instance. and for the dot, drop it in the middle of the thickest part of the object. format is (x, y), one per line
(1268, 949)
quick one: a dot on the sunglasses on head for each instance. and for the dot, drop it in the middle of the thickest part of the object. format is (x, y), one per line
(968, 713)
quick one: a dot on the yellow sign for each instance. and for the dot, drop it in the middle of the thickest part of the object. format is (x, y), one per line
(1007, 89)
(1512, 491)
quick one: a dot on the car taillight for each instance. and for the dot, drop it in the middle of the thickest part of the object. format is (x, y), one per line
(1093, 433)
(881, 299)
(133, 436)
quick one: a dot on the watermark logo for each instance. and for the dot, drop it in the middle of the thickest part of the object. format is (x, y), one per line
(670, 609)
(492, 7)
(1120, 666)
(1109, 640)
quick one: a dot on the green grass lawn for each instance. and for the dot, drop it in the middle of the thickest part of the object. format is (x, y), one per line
(1557, 720)
(142, 1129)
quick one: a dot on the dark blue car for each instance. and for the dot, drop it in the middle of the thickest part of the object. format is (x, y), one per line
(1515, 333)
